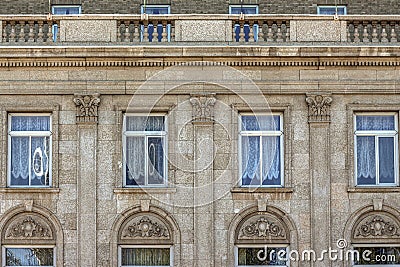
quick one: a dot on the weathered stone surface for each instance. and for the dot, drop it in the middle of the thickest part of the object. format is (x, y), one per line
(318, 31)
(88, 31)
(203, 31)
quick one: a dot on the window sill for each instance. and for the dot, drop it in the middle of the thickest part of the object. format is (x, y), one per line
(262, 190)
(145, 190)
(250, 193)
(27, 190)
(394, 189)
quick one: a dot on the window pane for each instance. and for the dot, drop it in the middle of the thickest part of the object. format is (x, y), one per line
(135, 160)
(152, 10)
(58, 10)
(145, 257)
(271, 160)
(261, 123)
(366, 166)
(251, 160)
(156, 160)
(251, 256)
(386, 160)
(40, 161)
(371, 123)
(244, 10)
(19, 172)
(331, 11)
(29, 256)
(30, 123)
(378, 255)
(145, 123)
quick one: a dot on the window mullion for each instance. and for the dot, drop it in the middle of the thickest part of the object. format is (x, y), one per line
(29, 160)
(261, 161)
(146, 159)
(377, 159)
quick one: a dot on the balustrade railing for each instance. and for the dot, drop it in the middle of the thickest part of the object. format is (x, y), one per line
(248, 29)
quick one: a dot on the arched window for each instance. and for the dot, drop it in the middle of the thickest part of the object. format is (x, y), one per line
(29, 239)
(261, 239)
(375, 239)
(145, 239)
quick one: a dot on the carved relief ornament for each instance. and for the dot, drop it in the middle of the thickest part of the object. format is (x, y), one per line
(28, 227)
(203, 107)
(319, 108)
(262, 228)
(145, 227)
(86, 107)
(376, 226)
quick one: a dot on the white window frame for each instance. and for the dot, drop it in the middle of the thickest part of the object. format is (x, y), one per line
(377, 134)
(280, 133)
(29, 134)
(261, 246)
(255, 26)
(4, 247)
(146, 134)
(336, 8)
(372, 246)
(168, 25)
(120, 247)
(66, 6)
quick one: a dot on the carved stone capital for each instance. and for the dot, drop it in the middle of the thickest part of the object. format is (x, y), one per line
(203, 107)
(87, 107)
(319, 107)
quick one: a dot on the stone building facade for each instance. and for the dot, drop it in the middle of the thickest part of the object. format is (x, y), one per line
(183, 140)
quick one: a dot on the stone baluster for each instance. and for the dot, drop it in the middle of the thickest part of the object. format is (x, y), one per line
(12, 34)
(279, 38)
(40, 32)
(287, 34)
(164, 35)
(49, 38)
(384, 38)
(155, 32)
(260, 38)
(4, 32)
(127, 35)
(31, 34)
(375, 32)
(21, 37)
(251, 31)
(270, 34)
(136, 31)
(145, 31)
(172, 31)
(393, 35)
(356, 32)
(349, 26)
(365, 32)
(241, 32)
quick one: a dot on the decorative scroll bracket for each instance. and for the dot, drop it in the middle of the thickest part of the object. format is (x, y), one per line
(319, 107)
(87, 107)
(203, 108)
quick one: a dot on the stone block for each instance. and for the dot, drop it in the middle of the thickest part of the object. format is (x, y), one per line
(88, 30)
(318, 31)
(203, 30)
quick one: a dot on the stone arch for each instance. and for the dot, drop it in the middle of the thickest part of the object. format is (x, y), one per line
(152, 226)
(373, 225)
(245, 228)
(32, 225)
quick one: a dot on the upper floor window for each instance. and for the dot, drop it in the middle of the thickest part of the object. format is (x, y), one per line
(261, 142)
(31, 256)
(29, 144)
(156, 10)
(144, 150)
(331, 10)
(66, 10)
(376, 149)
(247, 10)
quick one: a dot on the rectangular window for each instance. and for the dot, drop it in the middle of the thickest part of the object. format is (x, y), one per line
(156, 10)
(246, 10)
(29, 144)
(377, 256)
(145, 256)
(331, 10)
(144, 150)
(261, 157)
(256, 256)
(63, 10)
(376, 149)
(17, 256)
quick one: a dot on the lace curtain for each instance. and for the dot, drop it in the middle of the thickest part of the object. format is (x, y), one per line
(145, 257)
(27, 150)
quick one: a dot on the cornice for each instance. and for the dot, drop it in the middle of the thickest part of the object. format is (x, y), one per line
(167, 56)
